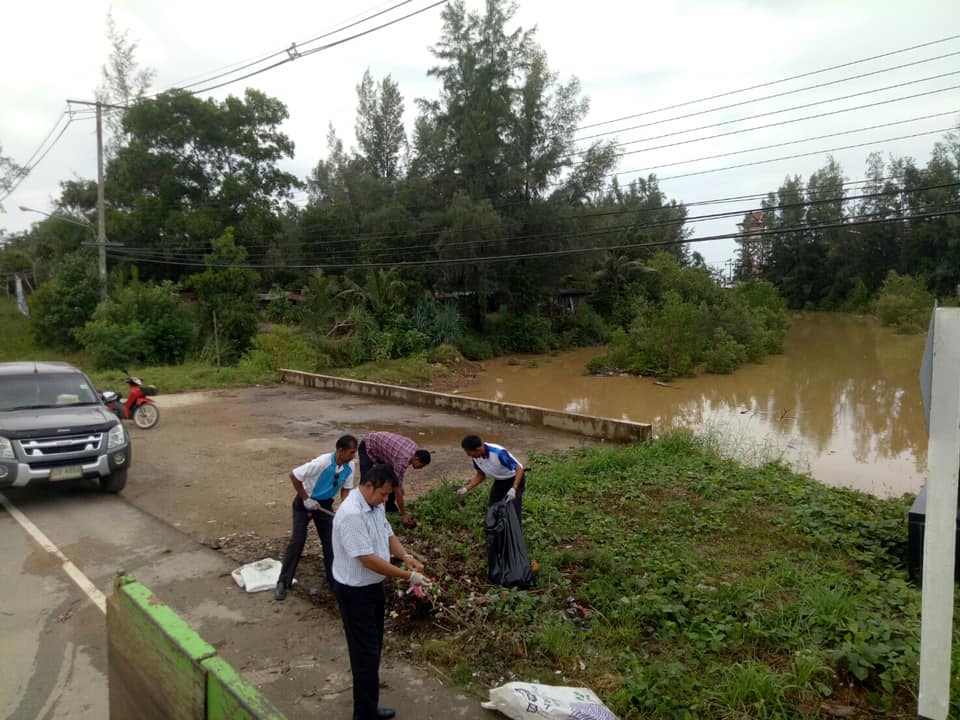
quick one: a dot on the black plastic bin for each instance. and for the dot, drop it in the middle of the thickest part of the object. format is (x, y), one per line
(916, 520)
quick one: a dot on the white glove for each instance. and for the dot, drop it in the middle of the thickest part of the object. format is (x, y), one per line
(311, 504)
(418, 579)
(461, 491)
(511, 494)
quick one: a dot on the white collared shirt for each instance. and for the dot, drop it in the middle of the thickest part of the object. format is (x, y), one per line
(359, 529)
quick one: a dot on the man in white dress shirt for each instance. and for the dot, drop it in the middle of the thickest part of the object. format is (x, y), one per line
(363, 543)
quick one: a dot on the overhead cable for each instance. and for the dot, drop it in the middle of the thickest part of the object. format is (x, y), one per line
(783, 80)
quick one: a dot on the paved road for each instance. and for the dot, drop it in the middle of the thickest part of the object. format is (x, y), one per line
(52, 634)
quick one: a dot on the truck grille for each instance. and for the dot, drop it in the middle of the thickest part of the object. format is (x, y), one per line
(45, 450)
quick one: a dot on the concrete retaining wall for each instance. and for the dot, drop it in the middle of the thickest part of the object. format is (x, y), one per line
(596, 427)
(160, 669)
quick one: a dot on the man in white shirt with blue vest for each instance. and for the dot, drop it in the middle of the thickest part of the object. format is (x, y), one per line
(363, 543)
(317, 484)
(497, 463)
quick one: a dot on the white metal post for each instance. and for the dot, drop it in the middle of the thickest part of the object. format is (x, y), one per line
(943, 465)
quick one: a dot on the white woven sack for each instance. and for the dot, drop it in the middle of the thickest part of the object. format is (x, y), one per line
(519, 700)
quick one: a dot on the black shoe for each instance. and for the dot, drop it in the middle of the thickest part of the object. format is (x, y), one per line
(280, 593)
(385, 713)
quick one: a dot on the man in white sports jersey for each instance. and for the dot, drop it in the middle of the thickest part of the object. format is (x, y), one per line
(496, 462)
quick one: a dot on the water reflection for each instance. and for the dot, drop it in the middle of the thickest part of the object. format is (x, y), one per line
(842, 403)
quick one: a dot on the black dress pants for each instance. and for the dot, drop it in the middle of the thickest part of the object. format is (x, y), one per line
(324, 525)
(499, 490)
(361, 609)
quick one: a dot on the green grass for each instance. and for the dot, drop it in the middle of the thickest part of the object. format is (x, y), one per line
(16, 344)
(679, 584)
(188, 376)
(410, 371)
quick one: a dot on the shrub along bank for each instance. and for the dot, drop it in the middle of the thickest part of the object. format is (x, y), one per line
(679, 584)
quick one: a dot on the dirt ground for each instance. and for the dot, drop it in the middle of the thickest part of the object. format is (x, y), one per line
(217, 464)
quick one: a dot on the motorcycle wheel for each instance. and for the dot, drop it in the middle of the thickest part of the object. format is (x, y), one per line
(146, 416)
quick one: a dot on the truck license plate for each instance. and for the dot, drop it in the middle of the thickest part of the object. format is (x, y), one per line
(67, 472)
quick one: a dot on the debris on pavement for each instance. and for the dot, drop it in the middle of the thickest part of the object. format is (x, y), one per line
(258, 576)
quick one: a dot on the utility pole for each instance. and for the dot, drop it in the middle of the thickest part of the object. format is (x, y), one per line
(101, 213)
(101, 222)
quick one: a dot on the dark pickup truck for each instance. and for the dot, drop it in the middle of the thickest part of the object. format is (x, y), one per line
(54, 427)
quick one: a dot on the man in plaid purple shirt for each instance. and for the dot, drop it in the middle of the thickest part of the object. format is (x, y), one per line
(400, 453)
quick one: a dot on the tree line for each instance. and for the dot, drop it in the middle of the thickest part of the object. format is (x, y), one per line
(488, 228)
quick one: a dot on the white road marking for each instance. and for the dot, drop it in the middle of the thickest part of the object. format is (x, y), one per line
(82, 581)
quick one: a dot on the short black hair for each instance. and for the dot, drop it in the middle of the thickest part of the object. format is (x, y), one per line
(379, 475)
(423, 456)
(472, 442)
(346, 442)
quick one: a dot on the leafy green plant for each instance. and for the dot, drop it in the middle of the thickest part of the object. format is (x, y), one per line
(281, 310)
(140, 324)
(512, 332)
(228, 291)
(905, 303)
(282, 347)
(62, 306)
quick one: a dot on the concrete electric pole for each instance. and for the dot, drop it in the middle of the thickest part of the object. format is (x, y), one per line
(101, 213)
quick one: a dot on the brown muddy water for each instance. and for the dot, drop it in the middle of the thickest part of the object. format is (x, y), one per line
(842, 403)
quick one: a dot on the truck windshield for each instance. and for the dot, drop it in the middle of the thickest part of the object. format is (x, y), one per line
(34, 391)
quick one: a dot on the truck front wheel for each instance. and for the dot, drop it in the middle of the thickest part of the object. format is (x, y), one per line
(114, 482)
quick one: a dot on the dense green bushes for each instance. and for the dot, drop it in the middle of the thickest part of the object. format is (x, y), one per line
(62, 305)
(684, 320)
(140, 324)
(905, 303)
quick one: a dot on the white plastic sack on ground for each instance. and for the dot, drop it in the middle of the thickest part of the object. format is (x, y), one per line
(519, 700)
(258, 576)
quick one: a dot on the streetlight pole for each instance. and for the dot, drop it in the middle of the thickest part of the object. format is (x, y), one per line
(65, 218)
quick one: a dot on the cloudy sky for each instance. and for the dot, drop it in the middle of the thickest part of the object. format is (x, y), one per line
(631, 58)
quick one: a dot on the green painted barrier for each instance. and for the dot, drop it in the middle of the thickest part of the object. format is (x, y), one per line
(230, 697)
(161, 669)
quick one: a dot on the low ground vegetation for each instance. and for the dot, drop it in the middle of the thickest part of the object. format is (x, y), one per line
(679, 584)
(904, 303)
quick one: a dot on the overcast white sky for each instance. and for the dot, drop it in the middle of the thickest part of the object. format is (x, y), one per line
(631, 57)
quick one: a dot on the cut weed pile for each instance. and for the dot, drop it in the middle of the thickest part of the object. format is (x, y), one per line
(678, 584)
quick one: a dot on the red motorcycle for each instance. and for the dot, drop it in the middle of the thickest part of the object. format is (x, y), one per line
(139, 406)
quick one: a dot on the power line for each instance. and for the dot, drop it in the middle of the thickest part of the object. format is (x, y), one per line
(784, 144)
(586, 216)
(791, 109)
(560, 183)
(792, 92)
(297, 55)
(776, 82)
(147, 254)
(117, 253)
(792, 157)
(28, 167)
(291, 52)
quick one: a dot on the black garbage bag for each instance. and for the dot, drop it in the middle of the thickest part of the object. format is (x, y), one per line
(507, 561)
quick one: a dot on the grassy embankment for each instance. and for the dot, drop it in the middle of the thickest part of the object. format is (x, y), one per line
(16, 344)
(678, 584)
